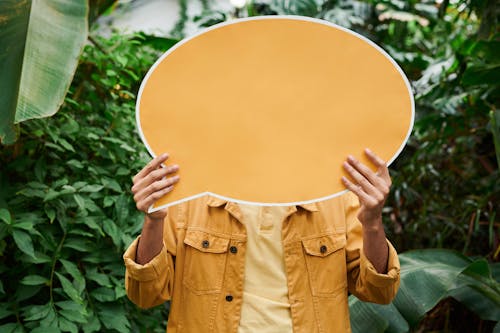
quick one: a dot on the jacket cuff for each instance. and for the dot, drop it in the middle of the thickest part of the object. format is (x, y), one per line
(149, 271)
(371, 275)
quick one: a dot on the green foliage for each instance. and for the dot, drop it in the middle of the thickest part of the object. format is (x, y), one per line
(66, 213)
(428, 277)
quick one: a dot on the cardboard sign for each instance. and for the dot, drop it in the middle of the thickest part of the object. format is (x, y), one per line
(265, 110)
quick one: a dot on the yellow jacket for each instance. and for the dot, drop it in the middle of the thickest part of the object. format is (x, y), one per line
(202, 265)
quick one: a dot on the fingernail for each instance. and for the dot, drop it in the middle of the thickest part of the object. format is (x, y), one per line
(350, 158)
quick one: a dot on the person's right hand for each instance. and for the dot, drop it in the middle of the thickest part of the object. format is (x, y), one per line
(153, 182)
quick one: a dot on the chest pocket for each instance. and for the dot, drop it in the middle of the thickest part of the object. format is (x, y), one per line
(326, 263)
(205, 261)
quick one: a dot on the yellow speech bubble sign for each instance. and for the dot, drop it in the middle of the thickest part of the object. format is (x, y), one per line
(265, 110)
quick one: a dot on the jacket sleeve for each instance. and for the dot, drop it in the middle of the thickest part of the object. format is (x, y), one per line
(363, 279)
(151, 284)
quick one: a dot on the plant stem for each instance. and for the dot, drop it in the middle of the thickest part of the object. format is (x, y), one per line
(53, 268)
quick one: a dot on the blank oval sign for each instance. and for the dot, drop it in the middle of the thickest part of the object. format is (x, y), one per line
(265, 110)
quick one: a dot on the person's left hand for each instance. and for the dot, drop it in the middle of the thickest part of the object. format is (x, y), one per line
(372, 188)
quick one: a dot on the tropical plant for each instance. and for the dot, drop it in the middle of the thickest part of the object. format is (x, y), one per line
(35, 75)
(428, 277)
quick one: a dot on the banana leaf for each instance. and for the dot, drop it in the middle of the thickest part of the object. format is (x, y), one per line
(40, 43)
(427, 277)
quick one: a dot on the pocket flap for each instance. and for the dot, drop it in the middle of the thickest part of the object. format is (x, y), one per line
(206, 242)
(323, 245)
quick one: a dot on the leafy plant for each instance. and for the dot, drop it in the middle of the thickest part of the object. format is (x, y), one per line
(428, 277)
(66, 214)
(40, 44)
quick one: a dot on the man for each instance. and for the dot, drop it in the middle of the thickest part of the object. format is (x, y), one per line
(236, 268)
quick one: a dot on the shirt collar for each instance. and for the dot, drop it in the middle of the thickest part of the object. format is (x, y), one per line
(217, 202)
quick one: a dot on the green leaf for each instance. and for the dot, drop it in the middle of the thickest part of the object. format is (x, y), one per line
(365, 318)
(478, 291)
(51, 195)
(51, 213)
(4, 312)
(112, 184)
(93, 325)
(432, 271)
(121, 209)
(67, 326)
(34, 280)
(481, 75)
(50, 320)
(25, 225)
(79, 201)
(14, 19)
(71, 305)
(101, 279)
(69, 289)
(40, 258)
(23, 242)
(5, 216)
(73, 316)
(37, 312)
(112, 230)
(35, 74)
(73, 270)
(66, 145)
(46, 329)
(76, 164)
(426, 277)
(91, 188)
(78, 244)
(114, 317)
(10, 327)
(108, 201)
(24, 292)
(103, 294)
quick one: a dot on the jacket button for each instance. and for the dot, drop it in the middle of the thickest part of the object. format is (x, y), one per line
(229, 298)
(233, 249)
(205, 244)
(323, 249)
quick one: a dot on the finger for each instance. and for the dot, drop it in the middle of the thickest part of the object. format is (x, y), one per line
(147, 202)
(365, 171)
(153, 176)
(358, 190)
(383, 170)
(155, 187)
(381, 182)
(378, 162)
(151, 166)
(360, 179)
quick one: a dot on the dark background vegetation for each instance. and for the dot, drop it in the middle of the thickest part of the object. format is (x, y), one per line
(66, 214)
